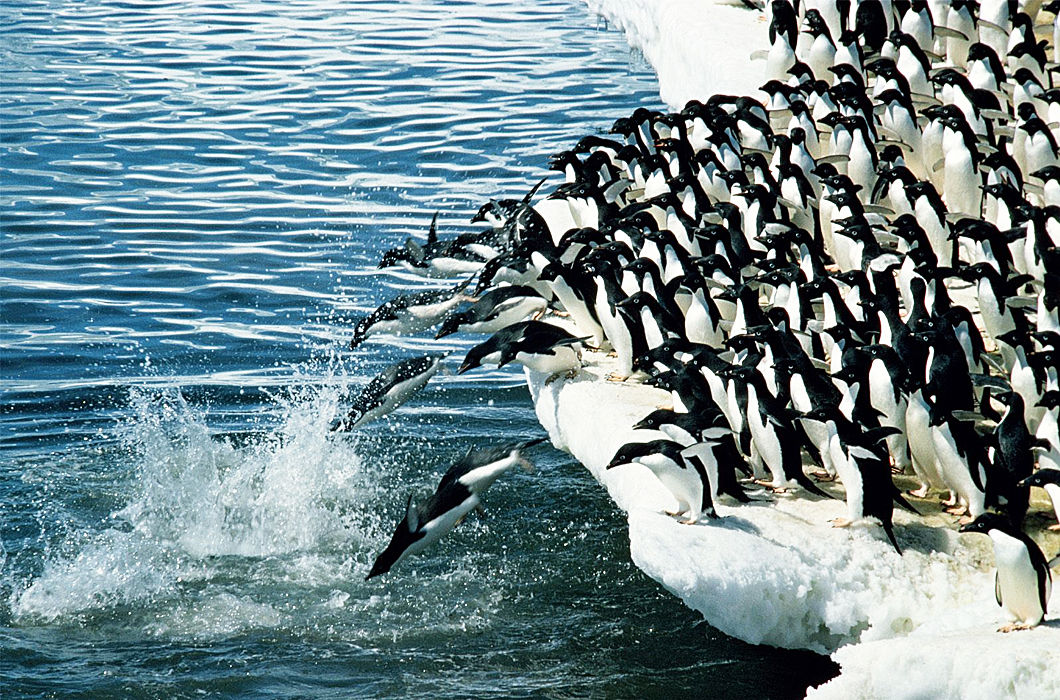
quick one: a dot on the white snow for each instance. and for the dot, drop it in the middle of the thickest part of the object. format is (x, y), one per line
(921, 625)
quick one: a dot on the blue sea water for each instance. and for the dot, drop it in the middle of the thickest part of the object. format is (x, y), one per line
(193, 196)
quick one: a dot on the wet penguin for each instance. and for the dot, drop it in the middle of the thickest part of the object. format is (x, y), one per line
(458, 493)
(1023, 584)
(389, 389)
(409, 313)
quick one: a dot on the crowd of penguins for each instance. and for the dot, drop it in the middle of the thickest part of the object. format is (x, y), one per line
(861, 268)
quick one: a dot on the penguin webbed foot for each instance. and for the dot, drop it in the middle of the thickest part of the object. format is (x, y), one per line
(1015, 627)
(615, 377)
(921, 492)
(823, 476)
(1054, 528)
(841, 522)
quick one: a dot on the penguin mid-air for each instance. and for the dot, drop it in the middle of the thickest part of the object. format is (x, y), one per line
(1023, 583)
(458, 493)
(389, 389)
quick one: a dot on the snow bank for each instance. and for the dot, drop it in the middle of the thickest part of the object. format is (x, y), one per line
(697, 47)
(918, 625)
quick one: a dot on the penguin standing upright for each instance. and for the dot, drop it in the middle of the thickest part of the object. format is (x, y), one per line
(1023, 584)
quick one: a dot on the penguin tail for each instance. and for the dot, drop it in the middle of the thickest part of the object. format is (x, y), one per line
(889, 529)
(804, 481)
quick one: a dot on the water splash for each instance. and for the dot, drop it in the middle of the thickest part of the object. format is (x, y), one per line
(196, 497)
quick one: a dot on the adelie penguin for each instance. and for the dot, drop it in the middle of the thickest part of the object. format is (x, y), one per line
(458, 493)
(1023, 584)
(688, 484)
(389, 389)
(539, 346)
(409, 313)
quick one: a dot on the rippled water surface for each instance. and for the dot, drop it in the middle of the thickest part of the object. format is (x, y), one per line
(193, 197)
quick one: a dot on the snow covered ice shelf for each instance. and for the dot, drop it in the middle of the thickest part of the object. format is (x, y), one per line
(918, 625)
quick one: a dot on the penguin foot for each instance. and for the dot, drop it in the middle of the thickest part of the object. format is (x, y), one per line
(841, 522)
(1054, 528)
(1015, 627)
(956, 510)
(566, 374)
(823, 476)
(951, 501)
(921, 492)
(615, 377)
(690, 521)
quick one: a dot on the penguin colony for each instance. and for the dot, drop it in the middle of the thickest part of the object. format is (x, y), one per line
(857, 277)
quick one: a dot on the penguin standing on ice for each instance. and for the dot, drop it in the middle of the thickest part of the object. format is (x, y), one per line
(458, 493)
(391, 388)
(1048, 479)
(1023, 583)
(686, 482)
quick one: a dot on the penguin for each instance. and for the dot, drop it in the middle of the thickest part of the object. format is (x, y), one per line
(495, 310)
(1012, 458)
(409, 313)
(458, 493)
(772, 433)
(1048, 479)
(687, 483)
(1022, 584)
(389, 389)
(539, 346)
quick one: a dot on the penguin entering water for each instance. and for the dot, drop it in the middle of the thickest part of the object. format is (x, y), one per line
(391, 388)
(410, 313)
(458, 493)
(1023, 583)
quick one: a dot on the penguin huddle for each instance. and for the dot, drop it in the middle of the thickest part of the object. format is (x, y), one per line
(857, 276)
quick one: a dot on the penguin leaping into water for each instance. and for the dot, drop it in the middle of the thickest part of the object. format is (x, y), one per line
(458, 493)
(389, 389)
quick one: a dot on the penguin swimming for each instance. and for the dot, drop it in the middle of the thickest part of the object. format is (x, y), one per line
(389, 389)
(1023, 584)
(458, 493)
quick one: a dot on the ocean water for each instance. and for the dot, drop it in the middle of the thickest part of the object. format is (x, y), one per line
(193, 196)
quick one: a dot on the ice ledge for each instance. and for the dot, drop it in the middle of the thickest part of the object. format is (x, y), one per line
(922, 624)
(696, 47)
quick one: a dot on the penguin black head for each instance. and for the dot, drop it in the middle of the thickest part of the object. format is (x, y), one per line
(987, 522)
(1042, 477)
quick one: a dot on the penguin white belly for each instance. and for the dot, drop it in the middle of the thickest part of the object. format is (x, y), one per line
(955, 471)
(921, 446)
(683, 483)
(560, 359)
(1017, 581)
(1054, 495)
(700, 327)
(961, 183)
